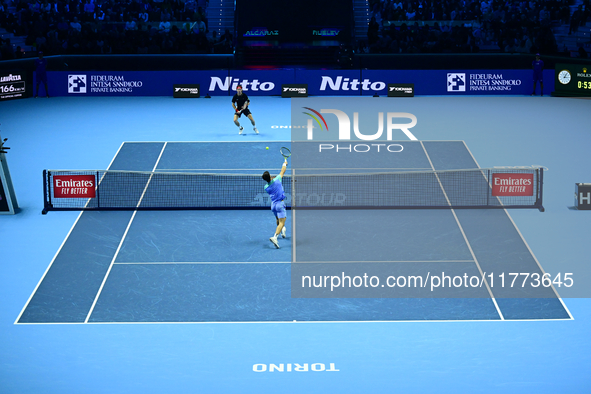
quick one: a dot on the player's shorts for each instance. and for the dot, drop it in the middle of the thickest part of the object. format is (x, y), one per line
(278, 208)
(538, 77)
(245, 112)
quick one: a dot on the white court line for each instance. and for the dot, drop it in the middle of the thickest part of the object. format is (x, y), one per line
(48, 268)
(538, 263)
(525, 242)
(59, 249)
(205, 142)
(272, 322)
(269, 141)
(263, 169)
(200, 262)
(465, 238)
(310, 322)
(289, 262)
(122, 239)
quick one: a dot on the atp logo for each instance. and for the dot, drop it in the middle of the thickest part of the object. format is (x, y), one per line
(345, 124)
(76, 83)
(456, 82)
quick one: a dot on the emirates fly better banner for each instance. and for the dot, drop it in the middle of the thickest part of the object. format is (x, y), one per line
(74, 186)
(513, 185)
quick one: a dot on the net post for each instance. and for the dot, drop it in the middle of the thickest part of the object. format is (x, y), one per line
(292, 205)
(98, 196)
(489, 193)
(46, 196)
(540, 189)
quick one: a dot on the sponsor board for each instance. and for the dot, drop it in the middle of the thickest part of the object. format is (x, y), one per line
(583, 196)
(74, 186)
(319, 82)
(401, 90)
(294, 90)
(12, 85)
(186, 91)
(512, 185)
(573, 79)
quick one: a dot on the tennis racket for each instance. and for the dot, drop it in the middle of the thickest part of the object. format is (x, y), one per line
(285, 152)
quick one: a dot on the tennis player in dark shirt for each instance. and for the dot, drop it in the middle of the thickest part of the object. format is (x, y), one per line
(41, 73)
(240, 103)
(538, 67)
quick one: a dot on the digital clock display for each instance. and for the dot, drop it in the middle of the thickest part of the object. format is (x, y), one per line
(573, 78)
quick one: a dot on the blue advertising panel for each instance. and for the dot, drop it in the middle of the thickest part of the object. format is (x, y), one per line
(426, 82)
(337, 83)
(254, 82)
(124, 83)
(160, 83)
(320, 82)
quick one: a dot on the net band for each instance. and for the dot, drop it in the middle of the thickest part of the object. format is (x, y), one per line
(130, 190)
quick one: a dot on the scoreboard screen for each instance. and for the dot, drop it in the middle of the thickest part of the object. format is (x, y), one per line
(573, 79)
(289, 21)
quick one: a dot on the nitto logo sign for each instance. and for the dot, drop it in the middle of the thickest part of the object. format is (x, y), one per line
(341, 83)
(229, 82)
(345, 124)
(513, 185)
(456, 82)
(76, 84)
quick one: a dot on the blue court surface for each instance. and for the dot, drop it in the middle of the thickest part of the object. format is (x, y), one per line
(218, 266)
(201, 301)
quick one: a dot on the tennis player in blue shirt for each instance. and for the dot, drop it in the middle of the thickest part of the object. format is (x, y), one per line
(275, 190)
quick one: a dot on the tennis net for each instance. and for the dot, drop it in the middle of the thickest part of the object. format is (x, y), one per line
(132, 190)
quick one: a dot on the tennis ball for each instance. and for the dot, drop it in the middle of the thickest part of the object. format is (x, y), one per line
(267, 148)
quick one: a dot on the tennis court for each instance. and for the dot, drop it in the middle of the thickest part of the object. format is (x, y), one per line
(201, 300)
(184, 266)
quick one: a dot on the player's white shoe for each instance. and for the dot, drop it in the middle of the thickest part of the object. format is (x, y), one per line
(240, 131)
(274, 241)
(283, 232)
(255, 130)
